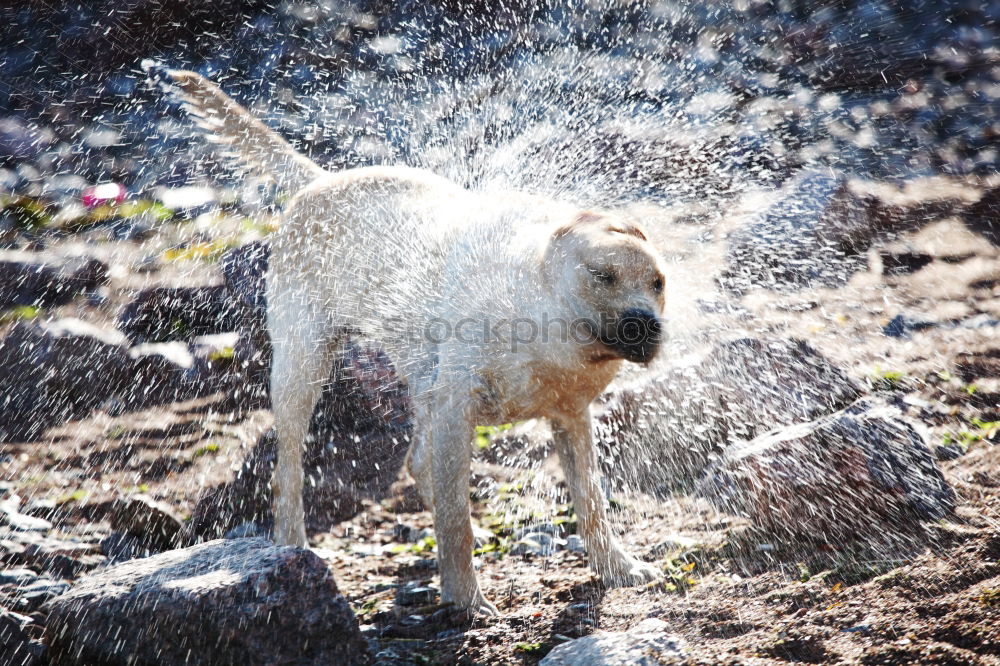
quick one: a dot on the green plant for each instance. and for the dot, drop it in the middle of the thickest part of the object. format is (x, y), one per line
(485, 434)
(205, 450)
(20, 313)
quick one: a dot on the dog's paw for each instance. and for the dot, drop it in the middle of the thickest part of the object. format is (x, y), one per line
(625, 571)
(478, 606)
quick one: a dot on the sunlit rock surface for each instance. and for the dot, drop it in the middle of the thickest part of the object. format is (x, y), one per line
(646, 644)
(359, 436)
(659, 434)
(240, 601)
(863, 473)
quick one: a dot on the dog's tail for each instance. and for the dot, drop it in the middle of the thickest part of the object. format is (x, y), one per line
(224, 121)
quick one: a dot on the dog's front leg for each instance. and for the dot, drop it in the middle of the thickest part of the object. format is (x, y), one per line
(449, 436)
(578, 457)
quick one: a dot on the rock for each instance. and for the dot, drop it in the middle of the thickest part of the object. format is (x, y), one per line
(864, 472)
(810, 234)
(360, 433)
(17, 644)
(164, 314)
(24, 280)
(57, 370)
(819, 223)
(61, 558)
(574, 544)
(902, 325)
(191, 199)
(536, 543)
(19, 577)
(21, 142)
(658, 435)
(120, 547)
(646, 644)
(155, 524)
(32, 597)
(11, 516)
(243, 272)
(221, 602)
(415, 594)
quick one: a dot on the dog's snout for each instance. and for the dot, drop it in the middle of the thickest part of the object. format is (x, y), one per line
(638, 334)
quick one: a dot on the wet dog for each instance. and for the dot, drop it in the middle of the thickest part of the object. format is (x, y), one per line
(494, 307)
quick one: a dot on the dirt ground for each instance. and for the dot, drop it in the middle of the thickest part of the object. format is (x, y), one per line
(730, 594)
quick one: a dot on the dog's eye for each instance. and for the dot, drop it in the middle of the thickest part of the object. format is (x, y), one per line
(658, 285)
(607, 278)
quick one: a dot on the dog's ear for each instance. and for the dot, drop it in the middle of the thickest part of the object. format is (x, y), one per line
(581, 219)
(627, 228)
(611, 225)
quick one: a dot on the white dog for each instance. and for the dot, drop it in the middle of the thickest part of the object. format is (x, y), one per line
(495, 307)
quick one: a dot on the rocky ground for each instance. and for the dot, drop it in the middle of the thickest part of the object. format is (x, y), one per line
(812, 462)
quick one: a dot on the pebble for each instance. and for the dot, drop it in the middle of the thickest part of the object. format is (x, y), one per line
(415, 594)
(20, 576)
(537, 543)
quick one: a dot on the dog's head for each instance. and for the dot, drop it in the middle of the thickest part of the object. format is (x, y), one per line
(614, 281)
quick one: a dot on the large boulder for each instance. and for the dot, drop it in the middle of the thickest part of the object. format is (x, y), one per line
(19, 645)
(27, 281)
(238, 601)
(243, 272)
(359, 436)
(817, 227)
(57, 370)
(865, 472)
(162, 314)
(646, 644)
(659, 434)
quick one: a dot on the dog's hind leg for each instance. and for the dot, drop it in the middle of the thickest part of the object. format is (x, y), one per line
(578, 457)
(449, 435)
(301, 365)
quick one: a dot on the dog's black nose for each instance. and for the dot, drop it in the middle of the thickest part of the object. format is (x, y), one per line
(638, 334)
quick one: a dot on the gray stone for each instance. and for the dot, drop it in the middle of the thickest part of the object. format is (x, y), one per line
(574, 543)
(242, 601)
(415, 594)
(11, 516)
(862, 473)
(26, 280)
(536, 543)
(154, 523)
(31, 597)
(18, 645)
(658, 435)
(646, 644)
(57, 370)
(19, 576)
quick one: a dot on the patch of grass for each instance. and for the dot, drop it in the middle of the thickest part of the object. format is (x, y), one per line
(26, 213)
(221, 355)
(205, 450)
(535, 649)
(678, 573)
(990, 597)
(20, 313)
(209, 252)
(886, 380)
(978, 431)
(77, 495)
(423, 546)
(485, 434)
(499, 545)
(262, 227)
